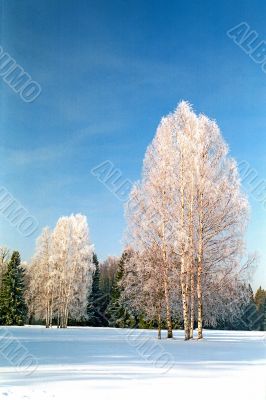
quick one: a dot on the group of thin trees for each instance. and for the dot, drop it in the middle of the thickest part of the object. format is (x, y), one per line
(186, 220)
(60, 274)
(185, 249)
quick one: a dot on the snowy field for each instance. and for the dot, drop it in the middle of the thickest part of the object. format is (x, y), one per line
(78, 363)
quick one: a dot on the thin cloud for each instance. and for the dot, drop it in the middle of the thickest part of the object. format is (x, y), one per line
(45, 154)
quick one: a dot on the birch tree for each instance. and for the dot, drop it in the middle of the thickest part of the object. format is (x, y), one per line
(4, 258)
(40, 292)
(72, 260)
(60, 273)
(222, 209)
(148, 228)
(189, 210)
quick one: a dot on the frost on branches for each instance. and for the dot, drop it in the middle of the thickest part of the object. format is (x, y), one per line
(60, 274)
(186, 222)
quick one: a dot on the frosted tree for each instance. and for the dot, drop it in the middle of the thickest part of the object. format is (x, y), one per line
(150, 211)
(4, 258)
(108, 269)
(222, 209)
(72, 260)
(140, 292)
(189, 211)
(60, 274)
(40, 274)
(183, 125)
(4, 255)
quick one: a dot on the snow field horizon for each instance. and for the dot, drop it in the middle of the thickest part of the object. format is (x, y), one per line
(76, 359)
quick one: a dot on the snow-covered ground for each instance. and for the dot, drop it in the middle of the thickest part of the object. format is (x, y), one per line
(78, 363)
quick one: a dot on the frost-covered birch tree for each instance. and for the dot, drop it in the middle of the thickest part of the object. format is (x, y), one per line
(188, 211)
(61, 271)
(40, 292)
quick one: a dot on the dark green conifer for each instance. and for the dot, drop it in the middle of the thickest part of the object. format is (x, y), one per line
(13, 308)
(95, 311)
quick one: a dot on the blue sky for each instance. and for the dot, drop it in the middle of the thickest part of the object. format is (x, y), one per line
(109, 70)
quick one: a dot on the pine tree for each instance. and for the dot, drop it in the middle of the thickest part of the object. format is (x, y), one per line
(95, 308)
(117, 314)
(12, 303)
(260, 298)
(250, 318)
(260, 301)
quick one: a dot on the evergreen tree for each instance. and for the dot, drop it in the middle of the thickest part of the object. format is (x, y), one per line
(260, 301)
(95, 307)
(13, 308)
(250, 318)
(117, 314)
(260, 298)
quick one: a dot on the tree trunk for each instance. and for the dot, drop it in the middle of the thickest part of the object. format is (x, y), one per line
(183, 272)
(168, 310)
(191, 257)
(184, 298)
(58, 318)
(166, 295)
(199, 296)
(166, 287)
(51, 313)
(199, 273)
(47, 315)
(65, 317)
(159, 325)
(192, 300)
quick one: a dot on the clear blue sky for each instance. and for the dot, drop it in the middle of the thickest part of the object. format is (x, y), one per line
(109, 70)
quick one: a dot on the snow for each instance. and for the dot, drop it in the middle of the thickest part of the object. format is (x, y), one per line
(122, 364)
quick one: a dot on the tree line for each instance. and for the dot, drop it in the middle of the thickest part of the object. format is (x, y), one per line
(184, 263)
(105, 305)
